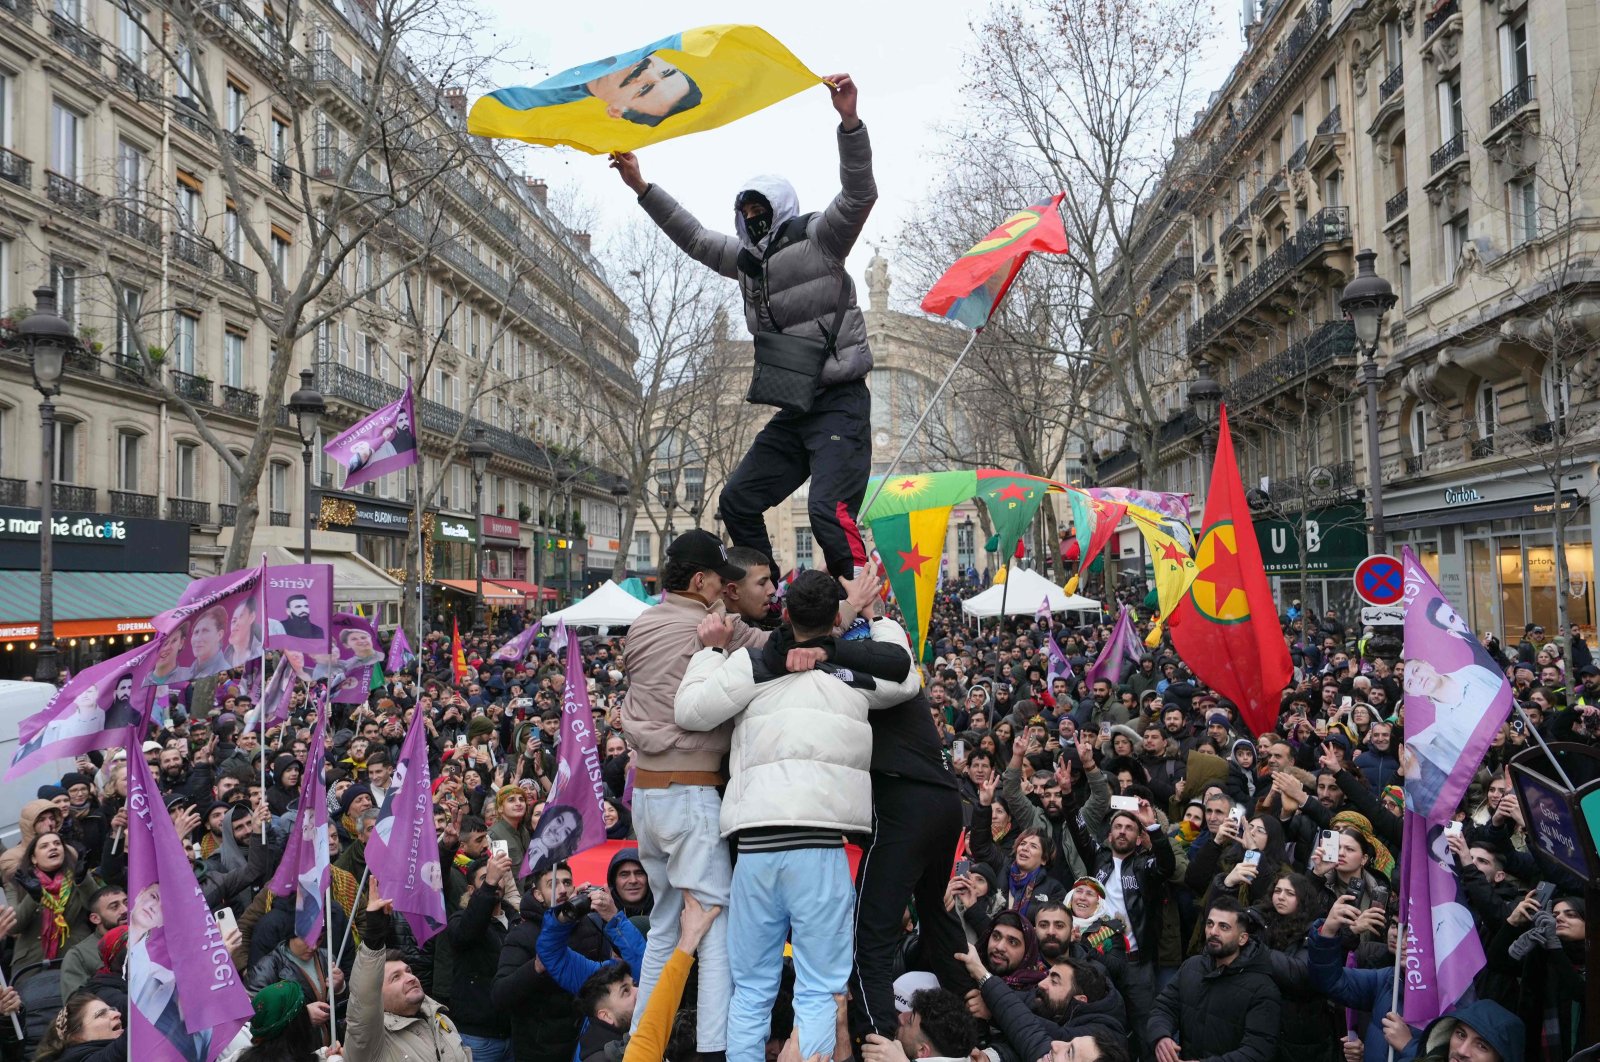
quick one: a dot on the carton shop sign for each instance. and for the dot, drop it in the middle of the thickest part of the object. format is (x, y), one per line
(87, 529)
(1462, 496)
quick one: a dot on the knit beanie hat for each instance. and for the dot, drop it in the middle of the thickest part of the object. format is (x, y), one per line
(276, 1006)
(480, 725)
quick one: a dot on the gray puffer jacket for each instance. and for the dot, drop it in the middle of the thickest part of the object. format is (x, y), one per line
(802, 279)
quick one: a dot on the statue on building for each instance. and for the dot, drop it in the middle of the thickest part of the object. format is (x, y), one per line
(878, 282)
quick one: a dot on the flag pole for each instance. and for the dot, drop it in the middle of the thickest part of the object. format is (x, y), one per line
(912, 434)
(333, 1020)
(261, 715)
(1529, 728)
(350, 918)
(16, 1025)
(1400, 940)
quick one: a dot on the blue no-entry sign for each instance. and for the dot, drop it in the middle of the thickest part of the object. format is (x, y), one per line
(1380, 580)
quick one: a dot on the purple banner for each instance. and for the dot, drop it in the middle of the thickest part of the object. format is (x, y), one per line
(356, 651)
(400, 655)
(1058, 664)
(304, 867)
(514, 651)
(185, 999)
(403, 848)
(379, 443)
(1121, 649)
(215, 626)
(1443, 952)
(1167, 504)
(299, 606)
(573, 819)
(275, 697)
(1457, 698)
(103, 706)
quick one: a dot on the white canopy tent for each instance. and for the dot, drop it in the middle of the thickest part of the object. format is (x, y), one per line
(1023, 590)
(608, 606)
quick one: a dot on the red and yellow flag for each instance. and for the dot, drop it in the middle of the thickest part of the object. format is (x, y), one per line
(458, 656)
(1226, 627)
(972, 288)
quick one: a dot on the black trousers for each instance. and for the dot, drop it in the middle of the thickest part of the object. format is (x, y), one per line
(831, 446)
(915, 827)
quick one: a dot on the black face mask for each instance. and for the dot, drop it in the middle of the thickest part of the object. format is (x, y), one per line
(758, 226)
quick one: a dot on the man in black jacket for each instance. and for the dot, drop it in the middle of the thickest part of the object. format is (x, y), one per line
(546, 1029)
(1076, 1002)
(477, 936)
(1224, 1002)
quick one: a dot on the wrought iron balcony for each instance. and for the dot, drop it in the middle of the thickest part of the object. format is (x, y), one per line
(1331, 124)
(127, 503)
(1503, 109)
(190, 115)
(1316, 352)
(1338, 479)
(1172, 274)
(324, 68)
(1328, 225)
(1392, 83)
(1397, 204)
(1297, 159)
(194, 389)
(278, 518)
(132, 78)
(188, 511)
(1434, 22)
(239, 400)
(16, 169)
(19, 9)
(65, 192)
(75, 39)
(13, 491)
(241, 276)
(72, 497)
(130, 368)
(1483, 447)
(282, 177)
(194, 252)
(244, 150)
(1448, 152)
(134, 225)
(228, 515)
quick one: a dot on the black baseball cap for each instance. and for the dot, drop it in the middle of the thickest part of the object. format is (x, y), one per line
(706, 552)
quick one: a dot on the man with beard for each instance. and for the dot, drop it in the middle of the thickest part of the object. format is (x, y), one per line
(108, 909)
(1074, 1002)
(1011, 955)
(1134, 865)
(1052, 923)
(1162, 760)
(1329, 795)
(1224, 1000)
(629, 884)
(121, 713)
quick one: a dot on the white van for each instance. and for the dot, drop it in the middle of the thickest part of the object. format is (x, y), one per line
(18, 700)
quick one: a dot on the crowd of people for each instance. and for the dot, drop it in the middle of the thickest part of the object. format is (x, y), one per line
(1048, 868)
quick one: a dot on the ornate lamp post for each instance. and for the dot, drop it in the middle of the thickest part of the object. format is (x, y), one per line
(46, 338)
(1205, 399)
(478, 453)
(308, 406)
(1365, 300)
(619, 492)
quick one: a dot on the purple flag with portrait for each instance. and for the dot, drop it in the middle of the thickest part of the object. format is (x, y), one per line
(1042, 613)
(215, 626)
(573, 819)
(103, 706)
(1121, 649)
(1457, 699)
(186, 1001)
(348, 668)
(275, 697)
(299, 606)
(400, 654)
(1443, 951)
(383, 441)
(1166, 503)
(514, 651)
(403, 848)
(303, 870)
(1058, 665)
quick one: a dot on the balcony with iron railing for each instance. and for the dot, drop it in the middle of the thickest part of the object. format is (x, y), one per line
(134, 225)
(1396, 205)
(16, 169)
(127, 503)
(239, 275)
(189, 114)
(74, 39)
(1482, 447)
(1448, 152)
(1326, 346)
(194, 252)
(1297, 157)
(244, 151)
(13, 491)
(1324, 484)
(65, 192)
(1441, 15)
(130, 368)
(1172, 274)
(70, 497)
(227, 515)
(322, 68)
(131, 78)
(194, 389)
(1507, 107)
(1330, 124)
(278, 518)
(18, 9)
(188, 511)
(1328, 225)
(1392, 82)
(241, 401)
(282, 177)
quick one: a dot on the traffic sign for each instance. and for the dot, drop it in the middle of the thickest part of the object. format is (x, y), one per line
(1380, 580)
(1383, 616)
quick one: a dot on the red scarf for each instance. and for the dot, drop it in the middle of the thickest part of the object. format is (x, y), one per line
(53, 929)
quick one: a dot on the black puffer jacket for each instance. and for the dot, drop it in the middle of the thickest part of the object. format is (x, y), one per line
(477, 938)
(1028, 1035)
(1222, 1013)
(546, 1029)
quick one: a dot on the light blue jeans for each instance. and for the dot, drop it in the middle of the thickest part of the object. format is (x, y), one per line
(485, 1049)
(682, 850)
(805, 897)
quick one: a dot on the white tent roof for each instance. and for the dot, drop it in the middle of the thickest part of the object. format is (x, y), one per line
(609, 606)
(1023, 590)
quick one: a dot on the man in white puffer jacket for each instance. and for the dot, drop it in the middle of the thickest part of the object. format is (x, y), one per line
(798, 781)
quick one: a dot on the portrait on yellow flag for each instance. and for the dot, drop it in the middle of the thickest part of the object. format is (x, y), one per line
(691, 81)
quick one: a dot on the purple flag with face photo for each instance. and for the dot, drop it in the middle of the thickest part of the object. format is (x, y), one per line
(400, 655)
(377, 444)
(1457, 699)
(1059, 666)
(573, 819)
(1443, 951)
(299, 606)
(101, 707)
(303, 871)
(215, 626)
(403, 848)
(1121, 649)
(185, 999)
(516, 649)
(275, 697)
(356, 651)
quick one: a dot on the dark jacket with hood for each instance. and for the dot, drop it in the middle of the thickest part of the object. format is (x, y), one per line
(645, 906)
(1500, 1028)
(1223, 1013)
(1028, 1035)
(800, 290)
(477, 939)
(548, 1019)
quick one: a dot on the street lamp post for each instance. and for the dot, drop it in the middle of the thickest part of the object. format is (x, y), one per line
(1365, 300)
(46, 338)
(1205, 398)
(619, 491)
(308, 406)
(478, 454)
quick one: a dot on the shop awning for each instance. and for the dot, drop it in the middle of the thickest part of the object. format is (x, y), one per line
(538, 593)
(356, 580)
(493, 593)
(88, 604)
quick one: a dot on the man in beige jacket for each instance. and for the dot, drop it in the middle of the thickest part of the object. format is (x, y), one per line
(391, 1018)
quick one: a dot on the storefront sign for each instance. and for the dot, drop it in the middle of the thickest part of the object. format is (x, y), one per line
(1335, 540)
(344, 513)
(501, 528)
(1462, 496)
(87, 542)
(446, 529)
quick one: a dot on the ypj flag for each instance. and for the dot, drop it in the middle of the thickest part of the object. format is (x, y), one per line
(1120, 651)
(573, 819)
(383, 441)
(400, 655)
(106, 705)
(458, 655)
(303, 870)
(971, 289)
(516, 650)
(1170, 563)
(691, 81)
(1012, 500)
(403, 848)
(1226, 628)
(1443, 951)
(185, 999)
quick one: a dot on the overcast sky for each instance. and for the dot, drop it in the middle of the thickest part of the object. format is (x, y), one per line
(905, 56)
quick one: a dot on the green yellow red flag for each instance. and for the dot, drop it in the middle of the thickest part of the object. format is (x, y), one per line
(1170, 563)
(1012, 500)
(912, 547)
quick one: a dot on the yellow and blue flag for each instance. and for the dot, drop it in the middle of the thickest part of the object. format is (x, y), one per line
(686, 83)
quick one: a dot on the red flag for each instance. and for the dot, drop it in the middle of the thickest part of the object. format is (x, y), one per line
(973, 286)
(458, 658)
(1226, 627)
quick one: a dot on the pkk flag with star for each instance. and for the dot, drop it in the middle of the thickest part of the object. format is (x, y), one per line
(1012, 501)
(1226, 627)
(912, 547)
